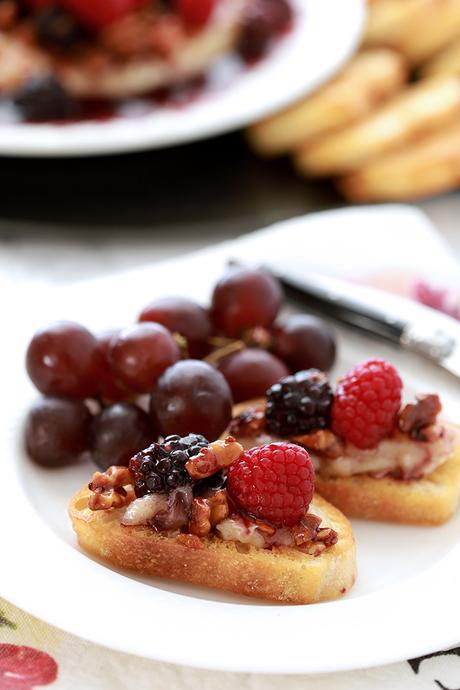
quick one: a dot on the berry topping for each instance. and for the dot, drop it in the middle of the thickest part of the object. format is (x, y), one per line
(57, 29)
(160, 468)
(264, 19)
(244, 298)
(43, 97)
(195, 12)
(274, 482)
(366, 404)
(299, 404)
(96, 14)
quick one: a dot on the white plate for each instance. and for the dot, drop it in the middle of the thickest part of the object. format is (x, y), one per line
(405, 602)
(324, 35)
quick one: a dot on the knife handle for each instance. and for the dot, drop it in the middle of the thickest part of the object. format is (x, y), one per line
(348, 310)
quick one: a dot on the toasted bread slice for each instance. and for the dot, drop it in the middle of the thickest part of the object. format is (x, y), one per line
(283, 574)
(429, 501)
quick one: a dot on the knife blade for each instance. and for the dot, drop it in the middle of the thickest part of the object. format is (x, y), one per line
(402, 321)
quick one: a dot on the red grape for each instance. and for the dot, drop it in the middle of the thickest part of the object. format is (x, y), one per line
(305, 342)
(57, 431)
(110, 387)
(64, 359)
(244, 298)
(119, 432)
(182, 316)
(251, 372)
(191, 397)
(140, 354)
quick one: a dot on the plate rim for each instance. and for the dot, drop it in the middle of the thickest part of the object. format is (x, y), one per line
(119, 136)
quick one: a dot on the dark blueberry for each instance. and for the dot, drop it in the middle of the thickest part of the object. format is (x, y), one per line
(57, 29)
(44, 98)
(299, 404)
(154, 482)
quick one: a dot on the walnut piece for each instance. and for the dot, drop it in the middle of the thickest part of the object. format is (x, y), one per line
(322, 441)
(200, 518)
(213, 458)
(111, 489)
(251, 422)
(219, 507)
(418, 419)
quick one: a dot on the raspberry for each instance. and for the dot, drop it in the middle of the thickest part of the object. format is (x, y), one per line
(299, 404)
(366, 403)
(195, 12)
(96, 14)
(274, 482)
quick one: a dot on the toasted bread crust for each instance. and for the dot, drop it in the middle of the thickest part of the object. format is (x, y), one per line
(283, 575)
(428, 501)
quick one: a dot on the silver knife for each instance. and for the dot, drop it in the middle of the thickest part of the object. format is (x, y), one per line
(407, 323)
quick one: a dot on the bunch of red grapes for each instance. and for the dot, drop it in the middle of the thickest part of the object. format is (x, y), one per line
(192, 362)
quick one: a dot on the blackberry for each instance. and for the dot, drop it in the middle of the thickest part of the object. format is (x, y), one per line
(57, 29)
(43, 97)
(299, 404)
(160, 468)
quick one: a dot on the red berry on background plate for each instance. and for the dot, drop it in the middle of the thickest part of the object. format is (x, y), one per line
(366, 403)
(64, 359)
(22, 668)
(251, 372)
(274, 482)
(195, 12)
(244, 298)
(96, 14)
(140, 354)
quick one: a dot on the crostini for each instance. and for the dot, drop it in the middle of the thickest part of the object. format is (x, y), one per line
(373, 457)
(215, 515)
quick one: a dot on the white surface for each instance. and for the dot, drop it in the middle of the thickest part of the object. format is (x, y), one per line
(324, 35)
(399, 567)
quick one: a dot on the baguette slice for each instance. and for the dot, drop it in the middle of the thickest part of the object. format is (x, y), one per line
(283, 575)
(429, 501)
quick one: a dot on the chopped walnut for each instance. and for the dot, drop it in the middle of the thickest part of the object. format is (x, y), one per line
(249, 423)
(200, 519)
(191, 541)
(111, 489)
(323, 441)
(219, 507)
(419, 419)
(265, 528)
(312, 540)
(213, 458)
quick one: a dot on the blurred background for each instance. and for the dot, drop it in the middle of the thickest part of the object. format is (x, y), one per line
(385, 128)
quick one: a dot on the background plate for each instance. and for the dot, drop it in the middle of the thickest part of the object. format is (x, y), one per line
(400, 568)
(324, 35)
